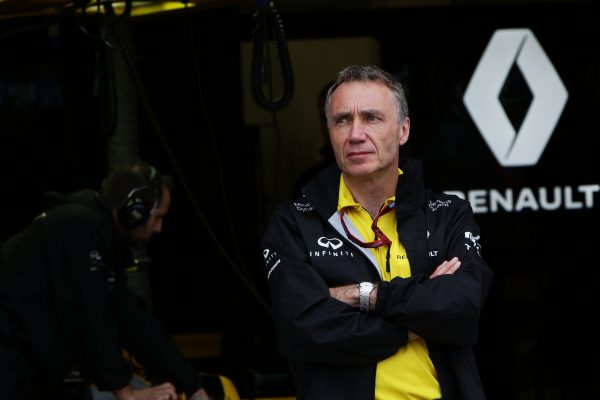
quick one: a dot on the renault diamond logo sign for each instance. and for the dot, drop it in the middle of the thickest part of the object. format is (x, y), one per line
(506, 48)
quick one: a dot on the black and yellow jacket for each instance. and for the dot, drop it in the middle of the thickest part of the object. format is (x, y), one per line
(335, 348)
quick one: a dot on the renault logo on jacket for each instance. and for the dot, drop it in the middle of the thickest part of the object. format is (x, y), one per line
(506, 48)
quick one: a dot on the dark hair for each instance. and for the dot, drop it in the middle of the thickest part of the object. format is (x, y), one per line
(127, 178)
(370, 73)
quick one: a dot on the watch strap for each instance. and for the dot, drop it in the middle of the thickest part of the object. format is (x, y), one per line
(364, 293)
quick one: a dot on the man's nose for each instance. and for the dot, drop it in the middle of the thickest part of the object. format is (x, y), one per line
(357, 131)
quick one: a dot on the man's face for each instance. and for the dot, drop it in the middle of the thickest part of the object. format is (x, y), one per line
(142, 234)
(364, 129)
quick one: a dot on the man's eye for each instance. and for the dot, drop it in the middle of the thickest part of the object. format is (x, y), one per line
(341, 120)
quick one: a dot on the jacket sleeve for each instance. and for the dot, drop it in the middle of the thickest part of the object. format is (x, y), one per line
(444, 309)
(144, 337)
(311, 325)
(83, 305)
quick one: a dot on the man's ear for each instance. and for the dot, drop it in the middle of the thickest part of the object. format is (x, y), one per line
(404, 131)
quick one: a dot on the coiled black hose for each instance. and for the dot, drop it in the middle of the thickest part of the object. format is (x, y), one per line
(261, 69)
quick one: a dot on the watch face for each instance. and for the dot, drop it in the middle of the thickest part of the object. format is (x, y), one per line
(365, 287)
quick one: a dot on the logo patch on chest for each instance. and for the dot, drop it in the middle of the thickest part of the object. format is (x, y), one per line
(330, 247)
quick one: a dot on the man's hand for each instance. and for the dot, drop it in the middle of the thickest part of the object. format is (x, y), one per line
(200, 395)
(446, 268)
(166, 391)
(348, 294)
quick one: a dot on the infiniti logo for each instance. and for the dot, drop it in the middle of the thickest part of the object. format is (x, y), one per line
(506, 48)
(334, 243)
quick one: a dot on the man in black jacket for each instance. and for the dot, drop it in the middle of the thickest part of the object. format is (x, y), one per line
(64, 301)
(377, 284)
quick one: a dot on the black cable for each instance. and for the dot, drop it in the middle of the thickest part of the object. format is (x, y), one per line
(113, 18)
(269, 22)
(269, 25)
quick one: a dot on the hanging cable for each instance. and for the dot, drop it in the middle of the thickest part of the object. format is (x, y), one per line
(269, 25)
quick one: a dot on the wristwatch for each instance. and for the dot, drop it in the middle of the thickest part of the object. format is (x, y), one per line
(364, 291)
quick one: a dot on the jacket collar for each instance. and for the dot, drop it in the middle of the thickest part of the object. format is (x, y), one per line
(410, 192)
(322, 191)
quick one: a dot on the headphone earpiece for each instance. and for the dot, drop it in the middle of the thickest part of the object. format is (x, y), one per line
(141, 201)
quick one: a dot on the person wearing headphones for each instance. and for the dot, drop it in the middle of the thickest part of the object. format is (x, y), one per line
(64, 300)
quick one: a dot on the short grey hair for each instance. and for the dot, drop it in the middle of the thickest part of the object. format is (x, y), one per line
(370, 73)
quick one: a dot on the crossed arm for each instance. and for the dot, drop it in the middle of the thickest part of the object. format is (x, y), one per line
(349, 293)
